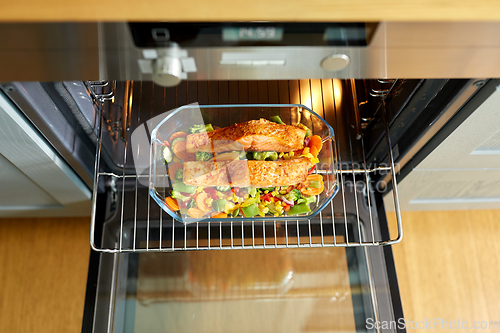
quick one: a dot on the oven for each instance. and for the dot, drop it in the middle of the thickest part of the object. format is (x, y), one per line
(392, 92)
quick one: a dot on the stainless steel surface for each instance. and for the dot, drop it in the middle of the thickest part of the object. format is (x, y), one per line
(91, 51)
(144, 214)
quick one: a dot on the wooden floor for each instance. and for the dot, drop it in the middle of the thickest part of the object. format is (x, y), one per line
(43, 274)
(448, 267)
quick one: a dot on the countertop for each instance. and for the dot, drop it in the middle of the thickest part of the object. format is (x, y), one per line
(448, 267)
(256, 10)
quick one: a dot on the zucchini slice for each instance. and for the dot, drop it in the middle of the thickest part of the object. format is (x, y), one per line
(167, 155)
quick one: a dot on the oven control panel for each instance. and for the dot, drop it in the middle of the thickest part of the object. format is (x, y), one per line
(251, 34)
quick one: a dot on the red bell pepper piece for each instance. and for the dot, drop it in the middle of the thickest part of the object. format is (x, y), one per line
(211, 192)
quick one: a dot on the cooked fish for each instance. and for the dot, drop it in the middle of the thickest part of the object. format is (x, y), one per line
(243, 173)
(253, 135)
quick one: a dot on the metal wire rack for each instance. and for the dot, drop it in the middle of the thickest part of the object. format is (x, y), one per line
(138, 224)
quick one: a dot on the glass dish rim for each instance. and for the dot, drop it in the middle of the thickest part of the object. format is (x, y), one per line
(152, 189)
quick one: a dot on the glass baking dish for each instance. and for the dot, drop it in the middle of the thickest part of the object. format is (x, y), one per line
(181, 119)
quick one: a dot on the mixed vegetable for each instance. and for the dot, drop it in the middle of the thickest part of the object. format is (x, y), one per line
(224, 201)
(221, 201)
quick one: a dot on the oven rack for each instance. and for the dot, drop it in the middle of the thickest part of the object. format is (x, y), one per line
(140, 225)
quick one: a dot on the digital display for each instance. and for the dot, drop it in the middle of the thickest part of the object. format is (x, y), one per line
(235, 34)
(341, 33)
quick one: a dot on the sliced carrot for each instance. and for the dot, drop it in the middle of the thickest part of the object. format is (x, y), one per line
(172, 204)
(316, 141)
(200, 202)
(177, 135)
(316, 144)
(195, 212)
(314, 151)
(315, 177)
(179, 150)
(220, 215)
(306, 190)
(312, 191)
(172, 169)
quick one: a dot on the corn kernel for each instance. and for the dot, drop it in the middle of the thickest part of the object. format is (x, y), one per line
(302, 126)
(283, 192)
(276, 214)
(272, 200)
(291, 153)
(199, 189)
(265, 210)
(281, 155)
(261, 214)
(209, 201)
(266, 191)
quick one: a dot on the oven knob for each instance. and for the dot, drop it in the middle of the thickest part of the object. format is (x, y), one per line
(167, 71)
(335, 62)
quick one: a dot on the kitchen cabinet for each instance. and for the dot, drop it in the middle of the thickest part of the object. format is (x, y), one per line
(261, 10)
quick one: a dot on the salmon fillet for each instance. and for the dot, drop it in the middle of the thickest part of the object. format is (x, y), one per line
(243, 173)
(253, 135)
